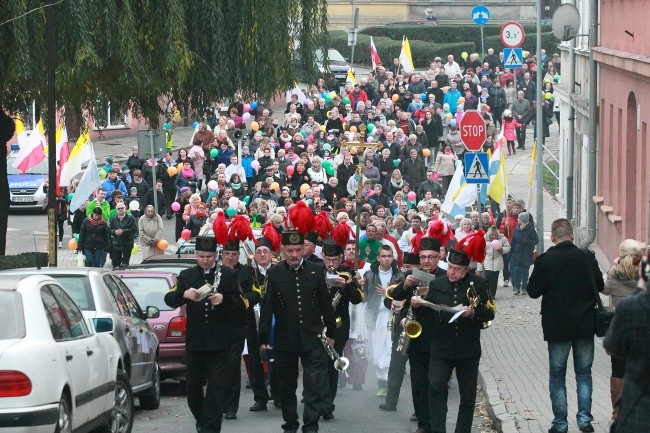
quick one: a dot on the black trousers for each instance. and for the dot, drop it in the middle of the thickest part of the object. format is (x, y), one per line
(440, 370)
(521, 136)
(396, 370)
(333, 374)
(210, 369)
(256, 377)
(233, 378)
(419, 361)
(121, 257)
(492, 278)
(506, 266)
(314, 366)
(170, 197)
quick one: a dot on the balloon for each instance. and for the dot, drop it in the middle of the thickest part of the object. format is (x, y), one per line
(275, 186)
(231, 211)
(180, 242)
(328, 99)
(303, 133)
(457, 163)
(464, 55)
(290, 170)
(394, 98)
(326, 163)
(162, 244)
(246, 117)
(395, 163)
(214, 153)
(253, 105)
(134, 205)
(426, 152)
(176, 206)
(247, 198)
(70, 196)
(233, 202)
(461, 100)
(134, 250)
(411, 196)
(172, 171)
(548, 96)
(195, 124)
(329, 170)
(353, 128)
(247, 107)
(445, 89)
(496, 244)
(186, 234)
(353, 150)
(76, 237)
(452, 122)
(255, 164)
(423, 96)
(436, 176)
(303, 188)
(213, 185)
(310, 202)
(255, 126)
(346, 100)
(72, 244)
(102, 174)
(369, 139)
(322, 128)
(332, 94)
(449, 116)
(370, 128)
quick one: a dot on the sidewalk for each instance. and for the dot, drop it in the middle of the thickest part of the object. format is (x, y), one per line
(514, 365)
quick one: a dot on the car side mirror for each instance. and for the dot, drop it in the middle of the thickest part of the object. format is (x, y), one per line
(153, 312)
(103, 324)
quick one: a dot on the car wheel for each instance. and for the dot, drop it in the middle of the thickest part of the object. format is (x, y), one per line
(64, 423)
(150, 399)
(122, 414)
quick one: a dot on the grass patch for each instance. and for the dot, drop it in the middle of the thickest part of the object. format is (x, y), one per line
(551, 184)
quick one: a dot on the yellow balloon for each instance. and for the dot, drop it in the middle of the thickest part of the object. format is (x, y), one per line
(275, 186)
(303, 188)
(426, 152)
(464, 55)
(134, 250)
(322, 128)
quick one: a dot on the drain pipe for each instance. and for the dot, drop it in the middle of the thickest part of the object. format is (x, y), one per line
(593, 125)
(571, 131)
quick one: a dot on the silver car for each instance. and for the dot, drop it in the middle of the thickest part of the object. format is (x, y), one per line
(101, 294)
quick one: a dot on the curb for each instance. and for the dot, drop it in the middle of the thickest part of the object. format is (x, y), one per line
(503, 421)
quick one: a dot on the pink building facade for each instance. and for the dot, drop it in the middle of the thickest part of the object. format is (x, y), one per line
(623, 54)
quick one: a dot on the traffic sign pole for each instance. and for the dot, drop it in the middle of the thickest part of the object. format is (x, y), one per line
(480, 15)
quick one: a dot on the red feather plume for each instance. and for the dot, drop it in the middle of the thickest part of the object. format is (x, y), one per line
(415, 242)
(272, 234)
(440, 230)
(302, 218)
(220, 229)
(323, 225)
(473, 245)
(341, 234)
(240, 229)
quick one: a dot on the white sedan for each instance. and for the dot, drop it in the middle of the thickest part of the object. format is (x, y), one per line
(56, 374)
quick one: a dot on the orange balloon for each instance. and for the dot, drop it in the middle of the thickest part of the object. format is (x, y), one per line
(255, 126)
(353, 128)
(353, 150)
(171, 171)
(445, 89)
(426, 152)
(461, 100)
(72, 244)
(162, 244)
(303, 188)
(394, 98)
(275, 186)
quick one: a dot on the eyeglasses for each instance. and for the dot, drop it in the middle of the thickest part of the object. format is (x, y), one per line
(121, 208)
(432, 257)
(231, 254)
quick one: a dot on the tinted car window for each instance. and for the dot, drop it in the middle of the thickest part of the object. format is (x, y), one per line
(11, 312)
(72, 313)
(78, 287)
(55, 317)
(132, 303)
(116, 295)
(149, 291)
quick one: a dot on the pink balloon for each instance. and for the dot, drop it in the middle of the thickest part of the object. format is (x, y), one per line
(287, 146)
(496, 244)
(411, 195)
(290, 170)
(247, 107)
(213, 185)
(246, 117)
(176, 206)
(255, 164)
(369, 139)
(436, 176)
(186, 234)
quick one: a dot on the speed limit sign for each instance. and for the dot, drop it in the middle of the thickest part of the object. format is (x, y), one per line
(512, 34)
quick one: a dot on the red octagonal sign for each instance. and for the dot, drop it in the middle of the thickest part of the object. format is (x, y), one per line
(472, 130)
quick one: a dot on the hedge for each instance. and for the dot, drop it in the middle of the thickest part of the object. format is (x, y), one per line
(422, 52)
(24, 260)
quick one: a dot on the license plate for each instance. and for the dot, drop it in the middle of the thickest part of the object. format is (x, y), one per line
(22, 199)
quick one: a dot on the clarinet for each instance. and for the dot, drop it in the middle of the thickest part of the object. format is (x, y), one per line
(217, 273)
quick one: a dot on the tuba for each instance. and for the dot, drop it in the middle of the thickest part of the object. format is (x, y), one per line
(474, 301)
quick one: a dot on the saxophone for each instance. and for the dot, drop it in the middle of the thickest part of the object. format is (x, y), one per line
(412, 329)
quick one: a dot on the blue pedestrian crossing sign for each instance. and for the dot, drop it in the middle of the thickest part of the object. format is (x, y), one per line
(480, 15)
(476, 167)
(512, 58)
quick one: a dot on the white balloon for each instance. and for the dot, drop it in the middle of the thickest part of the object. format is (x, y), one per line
(134, 205)
(233, 202)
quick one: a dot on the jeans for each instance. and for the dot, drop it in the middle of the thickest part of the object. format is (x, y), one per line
(95, 258)
(583, 357)
(519, 276)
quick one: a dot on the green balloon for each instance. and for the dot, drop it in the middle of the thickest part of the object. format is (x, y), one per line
(76, 237)
(329, 170)
(326, 163)
(328, 99)
(395, 163)
(70, 195)
(246, 199)
(309, 202)
(346, 100)
(231, 211)
(214, 153)
(370, 128)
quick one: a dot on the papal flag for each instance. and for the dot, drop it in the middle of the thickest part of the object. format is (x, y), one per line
(459, 195)
(88, 184)
(497, 190)
(405, 58)
(350, 78)
(79, 155)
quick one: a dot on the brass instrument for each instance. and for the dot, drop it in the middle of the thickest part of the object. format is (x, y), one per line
(388, 294)
(412, 329)
(338, 295)
(474, 301)
(341, 363)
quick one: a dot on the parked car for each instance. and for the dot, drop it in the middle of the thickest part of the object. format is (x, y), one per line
(56, 373)
(164, 263)
(338, 65)
(101, 294)
(26, 190)
(149, 288)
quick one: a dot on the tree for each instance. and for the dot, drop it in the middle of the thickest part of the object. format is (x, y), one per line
(137, 53)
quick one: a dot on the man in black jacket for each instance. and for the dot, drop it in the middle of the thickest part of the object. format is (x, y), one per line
(344, 291)
(568, 279)
(297, 296)
(216, 328)
(123, 228)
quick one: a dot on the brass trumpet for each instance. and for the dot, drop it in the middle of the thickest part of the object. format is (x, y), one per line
(338, 295)
(475, 300)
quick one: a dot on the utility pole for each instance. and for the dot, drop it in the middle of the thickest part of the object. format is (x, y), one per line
(539, 134)
(50, 31)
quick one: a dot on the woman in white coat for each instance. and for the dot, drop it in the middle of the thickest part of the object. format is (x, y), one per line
(497, 246)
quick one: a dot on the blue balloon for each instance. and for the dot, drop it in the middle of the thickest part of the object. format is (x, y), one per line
(253, 105)
(452, 122)
(423, 96)
(195, 124)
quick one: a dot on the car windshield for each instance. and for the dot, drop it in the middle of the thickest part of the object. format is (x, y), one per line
(40, 168)
(11, 311)
(78, 287)
(334, 56)
(148, 291)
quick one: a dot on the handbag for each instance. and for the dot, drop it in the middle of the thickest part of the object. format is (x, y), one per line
(604, 315)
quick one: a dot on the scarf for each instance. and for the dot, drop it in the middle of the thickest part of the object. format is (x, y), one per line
(187, 173)
(95, 222)
(235, 185)
(397, 183)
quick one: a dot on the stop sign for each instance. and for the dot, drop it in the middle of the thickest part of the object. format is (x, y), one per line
(472, 130)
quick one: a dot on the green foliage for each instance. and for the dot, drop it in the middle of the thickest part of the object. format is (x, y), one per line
(422, 52)
(551, 183)
(23, 260)
(133, 52)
